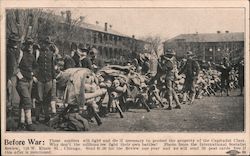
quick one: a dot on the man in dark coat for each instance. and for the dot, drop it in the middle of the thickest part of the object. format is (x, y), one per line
(25, 76)
(225, 69)
(46, 76)
(240, 68)
(191, 70)
(85, 62)
(12, 57)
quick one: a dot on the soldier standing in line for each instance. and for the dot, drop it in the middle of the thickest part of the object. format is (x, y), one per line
(169, 65)
(13, 54)
(191, 70)
(46, 76)
(25, 76)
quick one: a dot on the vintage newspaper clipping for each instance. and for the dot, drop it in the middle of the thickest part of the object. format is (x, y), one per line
(124, 77)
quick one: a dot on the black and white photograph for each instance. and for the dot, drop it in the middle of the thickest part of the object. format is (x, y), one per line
(127, 69)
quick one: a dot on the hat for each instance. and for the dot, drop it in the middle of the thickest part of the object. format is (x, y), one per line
(93, 51)
(48, 40)
(190, 53)
(36, 46)
(82, 52)
(29, 41)
(14, 37)
(170, 52)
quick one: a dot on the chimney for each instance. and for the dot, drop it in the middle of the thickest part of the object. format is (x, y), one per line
(133, 36)
(218, 32)
(226, 31)
(106, 26)
(110, 26)
(96, 22)
(68, 16)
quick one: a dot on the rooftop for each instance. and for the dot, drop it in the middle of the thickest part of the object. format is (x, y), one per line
(210, 37)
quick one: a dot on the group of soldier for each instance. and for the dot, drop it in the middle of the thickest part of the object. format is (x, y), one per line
(32, 69)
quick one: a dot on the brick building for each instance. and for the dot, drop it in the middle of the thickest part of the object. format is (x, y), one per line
(210, 46)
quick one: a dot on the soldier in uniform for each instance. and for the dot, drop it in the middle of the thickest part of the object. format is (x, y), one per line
(191, 70)
(169, 65)
(46, 76)
(85, 62)
(96, 63)
(75, 55)
(13, 54)
(25, 76)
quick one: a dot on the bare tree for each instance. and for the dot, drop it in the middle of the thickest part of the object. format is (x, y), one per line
(154, 45)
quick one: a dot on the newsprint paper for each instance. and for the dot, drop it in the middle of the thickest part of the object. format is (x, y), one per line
(123, 77)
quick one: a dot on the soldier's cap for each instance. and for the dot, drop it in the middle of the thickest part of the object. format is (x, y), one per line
(48, 39)
(190, 53)
(107, 61)
(36, 46)
(29, 41)
(93, 51)
(170, 52)
(14, 37)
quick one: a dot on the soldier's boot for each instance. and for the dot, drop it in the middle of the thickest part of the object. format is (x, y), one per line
(176, 98)
(98, 119)
(145, 104)
(37, 113)
(46, 113)
(53, 107)
(30, 126)
(21, 125)
(170, 101)
(192, 98)
(119, 110)
(184, 98)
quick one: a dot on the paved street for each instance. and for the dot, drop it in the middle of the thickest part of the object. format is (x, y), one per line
(207, 114)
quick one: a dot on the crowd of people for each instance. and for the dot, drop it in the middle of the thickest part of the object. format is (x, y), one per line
(32, 69)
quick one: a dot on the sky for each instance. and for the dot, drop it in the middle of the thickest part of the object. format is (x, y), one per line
(164, 22)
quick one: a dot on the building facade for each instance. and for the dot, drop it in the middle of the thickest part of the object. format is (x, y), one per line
(209, 47)
(113, 46)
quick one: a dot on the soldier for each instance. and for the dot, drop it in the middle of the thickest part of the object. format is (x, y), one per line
(191, 71)
(25, 76)
(13, 54)
(240, 67)
(169, 65)
(96, 63)
(85, 62)
(75, 55)
(225, 69)
(46, 76)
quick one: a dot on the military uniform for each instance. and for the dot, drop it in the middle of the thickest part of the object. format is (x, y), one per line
(27, 67)
(169, 66)
(46, 74)
(12, 69)
(191, 70)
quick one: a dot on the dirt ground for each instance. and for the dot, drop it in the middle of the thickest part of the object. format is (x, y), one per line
(207, 114)
(213, 113)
